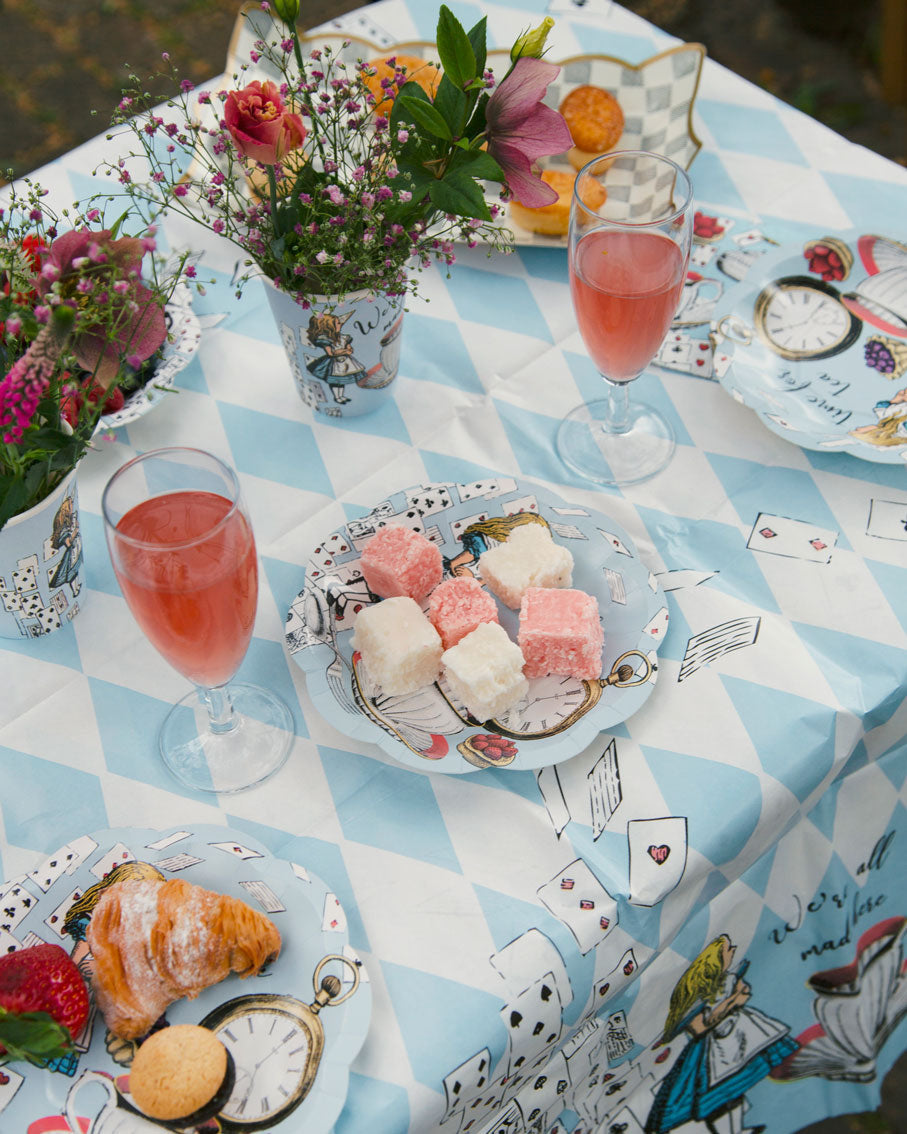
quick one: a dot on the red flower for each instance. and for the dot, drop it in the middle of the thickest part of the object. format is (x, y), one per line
(260, 125)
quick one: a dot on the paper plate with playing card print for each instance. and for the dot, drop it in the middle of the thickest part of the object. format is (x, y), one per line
(429, 729)
(90, 1087)
(814, 339)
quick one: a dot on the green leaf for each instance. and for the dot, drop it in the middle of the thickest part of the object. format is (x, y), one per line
(33, 1037)
(451, 103)
(454, 49)
(477, 164)
(425, 116)
(477, 39)
(409, 90)
(457, 193)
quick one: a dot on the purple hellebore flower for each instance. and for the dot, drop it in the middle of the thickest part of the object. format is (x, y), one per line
(522, 129)
(98, 345)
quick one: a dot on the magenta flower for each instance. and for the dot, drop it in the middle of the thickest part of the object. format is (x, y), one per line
(521, 129)
(26, 382)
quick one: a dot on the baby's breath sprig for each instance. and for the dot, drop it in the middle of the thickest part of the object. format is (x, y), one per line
(331, 182)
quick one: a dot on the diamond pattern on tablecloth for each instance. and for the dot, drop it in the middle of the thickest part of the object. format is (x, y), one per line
(44, 782)
(759, 708)
(369, 802)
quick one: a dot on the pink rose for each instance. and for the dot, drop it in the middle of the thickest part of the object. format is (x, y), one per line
(259, 124)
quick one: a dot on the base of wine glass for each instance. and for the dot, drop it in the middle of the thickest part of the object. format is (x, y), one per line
(587, 447)
(247, 754)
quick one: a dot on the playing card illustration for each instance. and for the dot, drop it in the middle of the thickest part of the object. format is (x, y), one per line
(334, 919)
(237, 850)
(117, 855)
(523, 960)
(713, 643)
(657, 626)
(429, 499)
(577, 898)
(544, 1094)
(615, 541)
(887, 519)
(795, 539)
(553, 794)
(533, 1022)
(15, 902)
(604, 788)
(467, 1081)
(658, 857)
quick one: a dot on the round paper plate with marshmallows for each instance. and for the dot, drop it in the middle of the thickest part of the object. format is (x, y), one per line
(430, 729)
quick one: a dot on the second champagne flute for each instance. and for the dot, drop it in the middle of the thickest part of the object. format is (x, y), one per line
(631, 229)
(184, 555)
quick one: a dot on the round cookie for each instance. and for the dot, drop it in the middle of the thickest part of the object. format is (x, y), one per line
(595, 120)
(180, 1071)
(553, 219)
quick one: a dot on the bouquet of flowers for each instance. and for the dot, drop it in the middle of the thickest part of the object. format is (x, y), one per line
(76, 319)
(334, 177)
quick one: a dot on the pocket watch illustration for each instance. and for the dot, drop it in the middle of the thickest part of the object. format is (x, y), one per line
(802, 318)
(570, 698)
(276, 1043)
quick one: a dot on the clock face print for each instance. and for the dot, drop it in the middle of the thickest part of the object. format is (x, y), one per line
(271, 1049)
(556, 703)
(803, 318)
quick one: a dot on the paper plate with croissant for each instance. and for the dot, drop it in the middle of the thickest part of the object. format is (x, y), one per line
(199, 927)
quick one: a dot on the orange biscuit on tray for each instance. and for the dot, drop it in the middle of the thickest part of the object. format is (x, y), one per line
(427, 75)
(595, 120)
(553, 219)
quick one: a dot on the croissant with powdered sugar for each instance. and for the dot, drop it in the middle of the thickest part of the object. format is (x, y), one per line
(155, 942)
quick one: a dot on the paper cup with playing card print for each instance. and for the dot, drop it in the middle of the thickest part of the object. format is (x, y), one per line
(41, 565)
(344, 354)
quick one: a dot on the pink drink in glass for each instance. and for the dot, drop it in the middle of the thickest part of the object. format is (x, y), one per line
(625, 288)
(195, 594)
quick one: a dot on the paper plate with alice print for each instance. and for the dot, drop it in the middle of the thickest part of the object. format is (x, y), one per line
(429, 729)
(279, 1085)
(814, 339)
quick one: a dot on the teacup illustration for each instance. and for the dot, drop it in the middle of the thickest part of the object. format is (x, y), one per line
(111, 1118)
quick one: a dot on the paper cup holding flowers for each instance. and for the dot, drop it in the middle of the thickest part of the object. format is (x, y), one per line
(338, 178)
(80, 309)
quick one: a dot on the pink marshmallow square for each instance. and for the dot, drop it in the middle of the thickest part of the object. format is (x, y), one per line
(457, 606)
(560, 633)
(398, 562)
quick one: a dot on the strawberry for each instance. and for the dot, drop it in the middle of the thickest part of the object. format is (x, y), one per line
(43, 1004)
(115, 400)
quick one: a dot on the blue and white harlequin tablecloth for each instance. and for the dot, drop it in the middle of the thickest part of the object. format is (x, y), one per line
(697, 922)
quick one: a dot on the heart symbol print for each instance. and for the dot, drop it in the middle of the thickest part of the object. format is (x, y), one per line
(660, 854)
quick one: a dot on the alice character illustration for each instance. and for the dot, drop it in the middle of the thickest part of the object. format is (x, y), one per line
(731, 1046)
(336, 364)
(891, 427)
(65, 534)
(484, 534)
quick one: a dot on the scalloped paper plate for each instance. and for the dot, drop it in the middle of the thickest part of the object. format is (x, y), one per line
(311, 924)
(821, 356)
(428, 729)
(656, 95)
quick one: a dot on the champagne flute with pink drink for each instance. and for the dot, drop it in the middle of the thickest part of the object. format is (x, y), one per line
(184, 555)
(631, 228)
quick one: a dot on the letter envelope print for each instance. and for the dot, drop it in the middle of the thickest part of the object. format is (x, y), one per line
(658, 856)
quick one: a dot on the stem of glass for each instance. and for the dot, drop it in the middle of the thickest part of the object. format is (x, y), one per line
(217, 701)
(618, 412)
